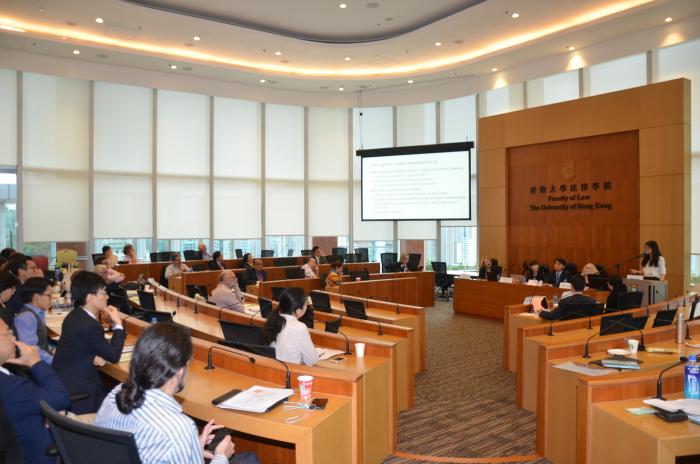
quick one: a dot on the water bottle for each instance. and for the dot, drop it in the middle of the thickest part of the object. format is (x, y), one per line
(680, 327)
(692, 378)
(555, 300)
(154, 320)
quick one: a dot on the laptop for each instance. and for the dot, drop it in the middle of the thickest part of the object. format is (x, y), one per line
(241, 333)
(261, 350)
(159, 316)
(321, 301)
(147, 300)
(665, 317)
(608, 324)
(308, 318)
(355, 309)
(276, 293)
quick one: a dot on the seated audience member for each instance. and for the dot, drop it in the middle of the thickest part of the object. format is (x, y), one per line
(7, 252)
(587, 270)
(316, 253)
(256, 273)
(145, 404)
(20, 396)
(227, 294)
(283, 330)
(82, 346)
(8, 285)
(576, 297)
(485, 268)
(113, 276)
(23, 267)
(310, 269)
(403, 262)
(30, 322)
(217, 262)
(534, 272)
(335, 276)
(109, 255)
(176, 267)
(558, 274)
(202, 247)
(617, 287)
(130, 254)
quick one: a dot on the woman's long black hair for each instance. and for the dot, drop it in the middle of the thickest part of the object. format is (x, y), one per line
(652, 260)
(161, 351)
(291, 299)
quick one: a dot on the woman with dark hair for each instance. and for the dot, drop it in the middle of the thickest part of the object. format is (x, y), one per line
(283, 330)
(130, 254)
(145, 404)
(217, 262)
(617, 287)
(534, 271)
(8, 285)
(653, 263)
(335, 276)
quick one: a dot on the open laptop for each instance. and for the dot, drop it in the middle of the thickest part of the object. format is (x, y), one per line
(321, 301)
(355, 309)
(147, 300)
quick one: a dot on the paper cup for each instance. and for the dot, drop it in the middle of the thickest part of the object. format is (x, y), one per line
(357, 279)
(360, 350)
(633, 345)
(306, 383)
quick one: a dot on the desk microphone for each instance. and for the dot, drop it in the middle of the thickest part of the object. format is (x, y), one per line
(210, 362)
(659, 382)
(589, 316)
(379, 326)
(585, 348)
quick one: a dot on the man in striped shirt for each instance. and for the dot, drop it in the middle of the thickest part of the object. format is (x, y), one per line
(145, 404)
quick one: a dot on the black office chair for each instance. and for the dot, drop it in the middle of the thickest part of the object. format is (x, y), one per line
(154, 256)
(307, 252)
(571, 267)
(443, 280)
(389, 263)
(290, 252)
(192, 290)
(199, 267)
(10, 449)
(239, 253)
(267, 253)
(162, 280)
(629, 300)
(166, 255)
(362, 255)
(191, 255)
(294, 273)
(339, 251)
(414, 261)
(80, 443)
(350, 258)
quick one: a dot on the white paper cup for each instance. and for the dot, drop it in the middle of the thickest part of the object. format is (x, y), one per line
(306, 383)
(633, 345)
(360, 350)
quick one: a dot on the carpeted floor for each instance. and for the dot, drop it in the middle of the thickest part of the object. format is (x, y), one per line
(465, 400)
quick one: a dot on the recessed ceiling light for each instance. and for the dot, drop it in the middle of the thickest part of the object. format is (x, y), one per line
(410, 81)
(494, 69)
(262, 81)
(196, 38)
(99, 20)
(438, 44)
(347, 58)
(341, 88)
(278, 53)
(515, 15)
(668, 19)
(76, 52)
(173, 66)
(5, 27)
(342, 6)
(571, 48)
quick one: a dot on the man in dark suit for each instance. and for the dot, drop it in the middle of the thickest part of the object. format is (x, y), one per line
(83, 347)
(577, 297)
(20, 396)
(255, 274)
(23, 267)
(559, 274)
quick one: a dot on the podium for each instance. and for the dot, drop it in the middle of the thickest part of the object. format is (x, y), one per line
(654, 290)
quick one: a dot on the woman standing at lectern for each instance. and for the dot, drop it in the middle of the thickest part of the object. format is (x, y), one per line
(653, 264)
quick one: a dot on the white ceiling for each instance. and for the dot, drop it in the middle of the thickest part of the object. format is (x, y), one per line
(475, 39)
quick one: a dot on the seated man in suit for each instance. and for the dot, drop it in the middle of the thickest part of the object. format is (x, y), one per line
(316, 253)
(217, 262)
(23, 267)
(227, 294)
(256, 273)
(20, 396)
(83, 346)
(559, 274)
(576, 297)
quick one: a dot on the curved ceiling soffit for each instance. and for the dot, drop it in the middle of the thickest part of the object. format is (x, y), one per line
(366, 38)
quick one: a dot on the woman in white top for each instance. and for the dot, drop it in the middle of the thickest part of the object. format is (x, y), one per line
(653, 264)
(283, 330)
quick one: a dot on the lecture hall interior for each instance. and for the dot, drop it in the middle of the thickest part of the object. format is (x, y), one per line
(350, 231)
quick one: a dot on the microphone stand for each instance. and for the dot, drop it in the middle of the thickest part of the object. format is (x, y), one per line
(659, 383)
(613, 324)
(210, 363)
(617, 265)
(253, 317)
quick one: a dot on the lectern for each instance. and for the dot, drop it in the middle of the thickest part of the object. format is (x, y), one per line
(654, 290)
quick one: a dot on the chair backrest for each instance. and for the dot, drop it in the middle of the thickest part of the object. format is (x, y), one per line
(120, 302)
(388, 259)
(306, 252)
(285, 261)
(96, 258)
(339, 251)
(414, 261)
(267, 253)
(294, 273)
(192, 254)
(629, 300)
(192, 290)
(161, 279)
(42, 262)
(362, 255)
(276, 292)
(80, 443)
(439, 267)
(290, 252)
(199, 267)
(66, 257)
(350, 258)
(239, 253)
(147, 300)
(571, 267)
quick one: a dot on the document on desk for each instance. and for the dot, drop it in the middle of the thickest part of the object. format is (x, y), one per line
(257, 399)
(327, 353)
(581, 369)
(690, 407)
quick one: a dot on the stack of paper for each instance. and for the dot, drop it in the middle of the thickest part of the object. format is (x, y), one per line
(690, 407)
(327, 353)
(257, 399)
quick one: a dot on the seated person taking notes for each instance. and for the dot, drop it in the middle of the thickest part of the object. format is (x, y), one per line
(176, 267)
(286, 334)
(30, 322)
(576, 297)
(559, 274)
(145, 404)
(653, 264)
(335, 276)
(227, 294)
(310, 269)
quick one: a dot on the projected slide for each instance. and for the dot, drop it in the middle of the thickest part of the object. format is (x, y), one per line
(416, 186)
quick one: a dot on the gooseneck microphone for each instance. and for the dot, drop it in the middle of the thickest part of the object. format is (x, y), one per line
(210, 363)
(379, 324)
(613, 324)
(659, 382)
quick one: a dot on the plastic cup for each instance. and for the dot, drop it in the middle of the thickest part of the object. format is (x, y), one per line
(357, 279)
(633, 345)
(360, 350)
(306, 383)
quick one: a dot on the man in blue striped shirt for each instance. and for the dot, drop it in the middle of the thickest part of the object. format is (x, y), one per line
(145, 404)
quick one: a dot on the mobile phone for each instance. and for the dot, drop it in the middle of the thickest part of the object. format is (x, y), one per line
(319, 403)
(218, 436)
(337, 360)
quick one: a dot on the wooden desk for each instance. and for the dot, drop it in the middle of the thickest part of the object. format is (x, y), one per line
(402, 290)
(425, 291)
(565, 428)
(487, 299)
(647, 439)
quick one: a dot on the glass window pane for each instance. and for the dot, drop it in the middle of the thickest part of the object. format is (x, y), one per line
(183, 133)
(552, 89)
(623, 73)
(237, 208)
(8, 117)
(459, 247)
(8, 210)
(183, 207)
(236, 138)
(123, 206)
(502, 100)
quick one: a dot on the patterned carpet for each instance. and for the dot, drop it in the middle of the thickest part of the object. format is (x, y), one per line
(464, 403)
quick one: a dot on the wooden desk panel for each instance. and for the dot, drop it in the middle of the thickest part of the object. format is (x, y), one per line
(425, 292)
(398, 290)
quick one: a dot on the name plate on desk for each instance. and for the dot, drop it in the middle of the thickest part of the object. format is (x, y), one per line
(635, 277)
(565, 285)
(506, 280)
(534, 283)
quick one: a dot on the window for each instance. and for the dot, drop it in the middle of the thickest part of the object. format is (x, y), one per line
(8, 210)
(459, 247)
(552, 89)
(281, 244)
(375, 248)
(142, 246)
(623, 73)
